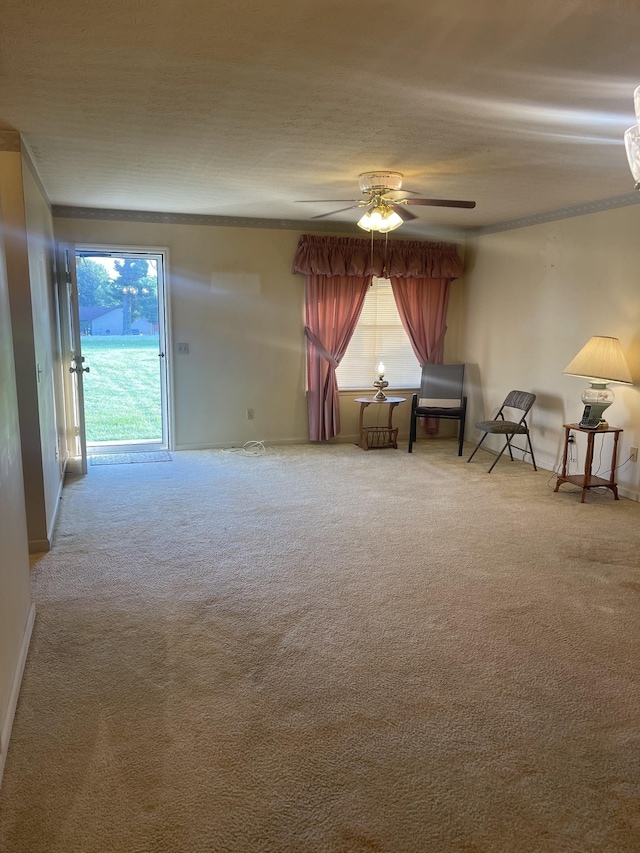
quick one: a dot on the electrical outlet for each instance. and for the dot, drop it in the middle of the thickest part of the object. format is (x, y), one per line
(571, 439)
(634, 454)
(183, 349)
(249, 414)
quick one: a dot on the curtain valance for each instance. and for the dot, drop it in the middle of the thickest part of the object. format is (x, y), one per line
(353, 256)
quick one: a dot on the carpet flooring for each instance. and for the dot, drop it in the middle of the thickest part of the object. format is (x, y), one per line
(324, 650)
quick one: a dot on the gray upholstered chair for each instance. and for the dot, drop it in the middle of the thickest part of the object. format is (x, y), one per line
(440, 397)
(519, 402)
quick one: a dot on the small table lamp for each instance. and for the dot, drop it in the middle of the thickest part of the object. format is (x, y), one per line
(601, 361)
(380, 383)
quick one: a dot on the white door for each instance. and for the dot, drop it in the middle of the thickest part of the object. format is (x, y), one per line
(72, 361)
(122, 312)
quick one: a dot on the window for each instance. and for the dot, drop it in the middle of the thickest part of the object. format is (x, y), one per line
(379, 335)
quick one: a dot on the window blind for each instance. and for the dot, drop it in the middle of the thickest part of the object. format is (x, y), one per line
(379, 336)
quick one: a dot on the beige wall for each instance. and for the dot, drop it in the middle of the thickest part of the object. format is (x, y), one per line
(234, 300)
(534, 296)
(44, 309)
(28, 246)
(15, 242)
(15, 594)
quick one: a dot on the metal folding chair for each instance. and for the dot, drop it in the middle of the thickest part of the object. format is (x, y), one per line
(521, 401)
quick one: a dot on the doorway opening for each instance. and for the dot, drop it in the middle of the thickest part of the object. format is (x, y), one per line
(122, 324)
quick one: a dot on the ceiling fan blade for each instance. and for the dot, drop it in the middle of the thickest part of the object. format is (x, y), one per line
(439, 202)
(322, 215)
(319, 200)
(403, 213)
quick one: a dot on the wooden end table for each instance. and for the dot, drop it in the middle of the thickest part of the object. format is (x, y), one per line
(588, 480)
(378, 436)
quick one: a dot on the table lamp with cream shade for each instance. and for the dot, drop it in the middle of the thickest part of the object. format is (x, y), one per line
(601, 361)
(380, 383)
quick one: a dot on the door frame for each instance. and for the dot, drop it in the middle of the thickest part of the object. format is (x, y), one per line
(166, 375)
(75, 450)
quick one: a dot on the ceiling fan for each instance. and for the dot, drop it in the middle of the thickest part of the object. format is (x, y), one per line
(386, 202)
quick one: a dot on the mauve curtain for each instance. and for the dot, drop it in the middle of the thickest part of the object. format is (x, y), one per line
(422, 306)
(333, 306)
(339, 271)
(332, 256)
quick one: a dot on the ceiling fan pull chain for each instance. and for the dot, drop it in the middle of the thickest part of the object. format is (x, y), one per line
(385, 273)
(371, 262)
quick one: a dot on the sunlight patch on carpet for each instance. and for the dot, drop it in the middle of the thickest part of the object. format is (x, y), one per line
(128, 458)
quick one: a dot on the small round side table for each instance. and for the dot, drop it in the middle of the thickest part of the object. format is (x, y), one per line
(378, 436)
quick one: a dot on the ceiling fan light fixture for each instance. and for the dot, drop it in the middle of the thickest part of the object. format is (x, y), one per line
(390, 222)
(380, 219)
(366, 223)
(385, 212)
(632, 146)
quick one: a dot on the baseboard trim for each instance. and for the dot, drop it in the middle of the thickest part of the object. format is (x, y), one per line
(7, 725)
(233, 444)
(54, 514)
(631, 494)
(39, 546)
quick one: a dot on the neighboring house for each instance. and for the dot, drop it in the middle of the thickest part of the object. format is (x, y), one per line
(98, 320)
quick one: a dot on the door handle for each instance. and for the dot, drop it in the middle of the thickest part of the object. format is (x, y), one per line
(160, 355)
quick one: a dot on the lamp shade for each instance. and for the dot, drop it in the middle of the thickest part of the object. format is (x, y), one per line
(601, 358)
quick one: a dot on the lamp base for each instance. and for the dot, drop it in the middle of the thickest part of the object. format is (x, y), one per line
(598, 396)
(380, 384)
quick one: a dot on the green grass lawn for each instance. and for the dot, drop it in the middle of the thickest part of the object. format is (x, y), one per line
(122, 389)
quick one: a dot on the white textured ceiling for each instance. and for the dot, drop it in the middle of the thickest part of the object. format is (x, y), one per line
(241, 108)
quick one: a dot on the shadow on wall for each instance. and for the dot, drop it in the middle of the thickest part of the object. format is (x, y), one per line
(470, 253)
(473, 391)
(633, 359)
(548, 408)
